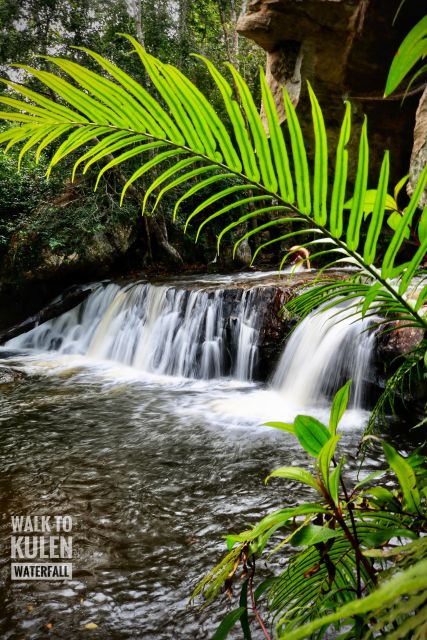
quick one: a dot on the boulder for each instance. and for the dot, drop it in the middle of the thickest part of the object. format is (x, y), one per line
(8, 375)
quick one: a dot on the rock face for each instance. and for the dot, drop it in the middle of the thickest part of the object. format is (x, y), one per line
(419, 150)
(398, 342)
(344, 48)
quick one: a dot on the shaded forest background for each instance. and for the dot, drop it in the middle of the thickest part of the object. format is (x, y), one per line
(59, 229)
(58, 232)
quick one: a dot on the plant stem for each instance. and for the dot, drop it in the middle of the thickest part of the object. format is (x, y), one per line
(253, 603)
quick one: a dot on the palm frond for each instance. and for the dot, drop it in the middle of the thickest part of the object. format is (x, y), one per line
(116, 115)
(411, 51)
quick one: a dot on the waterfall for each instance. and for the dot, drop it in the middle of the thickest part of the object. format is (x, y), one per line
(200, 331)
(191, 333)
(325, 350)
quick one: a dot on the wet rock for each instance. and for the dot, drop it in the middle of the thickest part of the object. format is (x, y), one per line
(398, 342)
(69, 299)
(9, 376)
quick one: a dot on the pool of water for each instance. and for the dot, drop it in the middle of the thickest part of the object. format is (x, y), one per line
(153, 471)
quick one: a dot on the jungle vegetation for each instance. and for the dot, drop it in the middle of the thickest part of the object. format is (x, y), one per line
(359, 563)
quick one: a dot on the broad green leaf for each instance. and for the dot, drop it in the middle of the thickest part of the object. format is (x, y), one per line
(412, 49)
(294, 473)
(399, 186)
(311, 434)
(326, 454)
(378, 538)
(228, 623)
(313, 534)
(393, 221)
(283, 426)
(371, 476)
(334, 481)
(275, 520)
(369, 201)
(339, 405)
(406, 477)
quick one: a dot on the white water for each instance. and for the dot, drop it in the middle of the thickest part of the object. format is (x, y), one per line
(211, 333)
(158, 329)
(325, 350)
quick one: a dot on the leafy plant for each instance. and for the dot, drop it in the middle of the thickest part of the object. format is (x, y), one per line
(250, 167)
(175, 133)
(411, 51)
(347, 544)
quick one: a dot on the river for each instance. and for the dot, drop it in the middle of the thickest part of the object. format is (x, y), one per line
(153, 469)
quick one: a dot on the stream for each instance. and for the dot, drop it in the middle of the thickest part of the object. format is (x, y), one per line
(153, 462)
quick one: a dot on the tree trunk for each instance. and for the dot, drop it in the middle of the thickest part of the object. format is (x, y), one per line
(155, 224)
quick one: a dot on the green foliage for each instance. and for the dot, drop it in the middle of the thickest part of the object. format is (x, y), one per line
(352, 561)
(178, 123)
(398, 608)
(54, 218)
(411, 51)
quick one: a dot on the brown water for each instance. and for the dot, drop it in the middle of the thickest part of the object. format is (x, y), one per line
(153, 471)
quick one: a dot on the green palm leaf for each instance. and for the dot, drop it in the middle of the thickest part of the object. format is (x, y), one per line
(102, 114)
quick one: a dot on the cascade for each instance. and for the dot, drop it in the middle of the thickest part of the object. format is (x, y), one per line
(325, 350)
(192, 333)
(207, 332)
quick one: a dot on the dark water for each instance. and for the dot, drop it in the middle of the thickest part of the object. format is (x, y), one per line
(153, 472)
